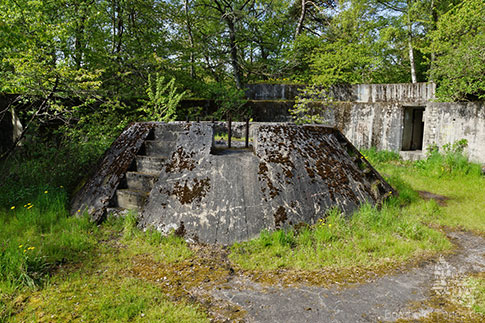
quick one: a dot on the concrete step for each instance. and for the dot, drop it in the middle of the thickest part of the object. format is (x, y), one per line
(159, 148)
(130, 199)
(149, 164)
(140, 181)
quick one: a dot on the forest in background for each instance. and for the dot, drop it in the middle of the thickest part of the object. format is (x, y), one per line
(89, 67)
(108, 49)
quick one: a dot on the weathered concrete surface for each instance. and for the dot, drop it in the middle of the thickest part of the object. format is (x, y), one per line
(389, 298)
(293, 174)
(416, 93)
(450, 122)
(96, 193)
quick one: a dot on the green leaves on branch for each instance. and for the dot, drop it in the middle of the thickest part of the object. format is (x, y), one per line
(163, 99)
(459, 44)
(312, 105)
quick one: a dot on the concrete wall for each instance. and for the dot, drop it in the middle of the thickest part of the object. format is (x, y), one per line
(449, 122)
(381, 125)
(417, 93)
(372, 115)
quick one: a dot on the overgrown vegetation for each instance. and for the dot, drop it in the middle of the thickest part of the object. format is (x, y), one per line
(369, 239)
(51, 265)
(37, 236)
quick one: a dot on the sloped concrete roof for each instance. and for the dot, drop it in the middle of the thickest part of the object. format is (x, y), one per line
(291, 175)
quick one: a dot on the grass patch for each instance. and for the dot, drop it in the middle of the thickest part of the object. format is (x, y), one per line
(84, 285)
(79, 298)
(167, 249)
(368, 239)
(473, 293)
(38, 235)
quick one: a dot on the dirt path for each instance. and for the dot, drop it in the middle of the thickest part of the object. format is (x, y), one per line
(389, 298)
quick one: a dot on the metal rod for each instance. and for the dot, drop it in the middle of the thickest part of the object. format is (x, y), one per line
(229, 132)
(247, 132)
(198, 118)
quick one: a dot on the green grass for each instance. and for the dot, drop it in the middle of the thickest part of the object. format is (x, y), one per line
(369, 239)
(398, 232)
(168, 249)
(59, 268)
(38, 235)
(78, 296)
(52, 267)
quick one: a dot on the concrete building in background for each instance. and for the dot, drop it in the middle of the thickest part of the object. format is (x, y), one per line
(405, 118)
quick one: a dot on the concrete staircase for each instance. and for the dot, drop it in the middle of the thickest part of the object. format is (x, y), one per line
(139, 180)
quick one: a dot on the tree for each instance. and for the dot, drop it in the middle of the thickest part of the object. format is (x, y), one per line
(459, 45)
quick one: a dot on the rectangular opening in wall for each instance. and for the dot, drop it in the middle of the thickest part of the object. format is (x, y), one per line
(412, 137)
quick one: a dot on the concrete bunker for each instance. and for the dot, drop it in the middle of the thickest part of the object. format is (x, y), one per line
(289, 175)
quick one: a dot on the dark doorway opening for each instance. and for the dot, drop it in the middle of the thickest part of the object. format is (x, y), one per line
(412, 137)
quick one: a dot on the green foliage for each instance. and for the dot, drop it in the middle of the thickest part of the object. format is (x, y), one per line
(458, 43)
(230, 101)
(163, 99)
(40, 165)
(450, 161)
(38, 235)
(311, 105)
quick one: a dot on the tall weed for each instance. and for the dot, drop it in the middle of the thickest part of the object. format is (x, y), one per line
(375, 156)
(449, 161)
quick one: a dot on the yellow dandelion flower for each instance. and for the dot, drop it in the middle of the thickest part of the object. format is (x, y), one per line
(330, 224)
(13, 207)
(31, 248)
(30, 206)
(45, 192)
(21, 246)
(25, 250)
(61, 186)
(25, 205)
(78, 211)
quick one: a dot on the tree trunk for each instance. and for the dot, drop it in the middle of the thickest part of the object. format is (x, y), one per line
(434, 23)
(410, 44)
(78, 50)
(191, 38)
(234, 60)
(299, 27)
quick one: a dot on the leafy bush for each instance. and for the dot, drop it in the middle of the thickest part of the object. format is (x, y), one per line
(230, 101)
(311, 105)
(163, 99)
